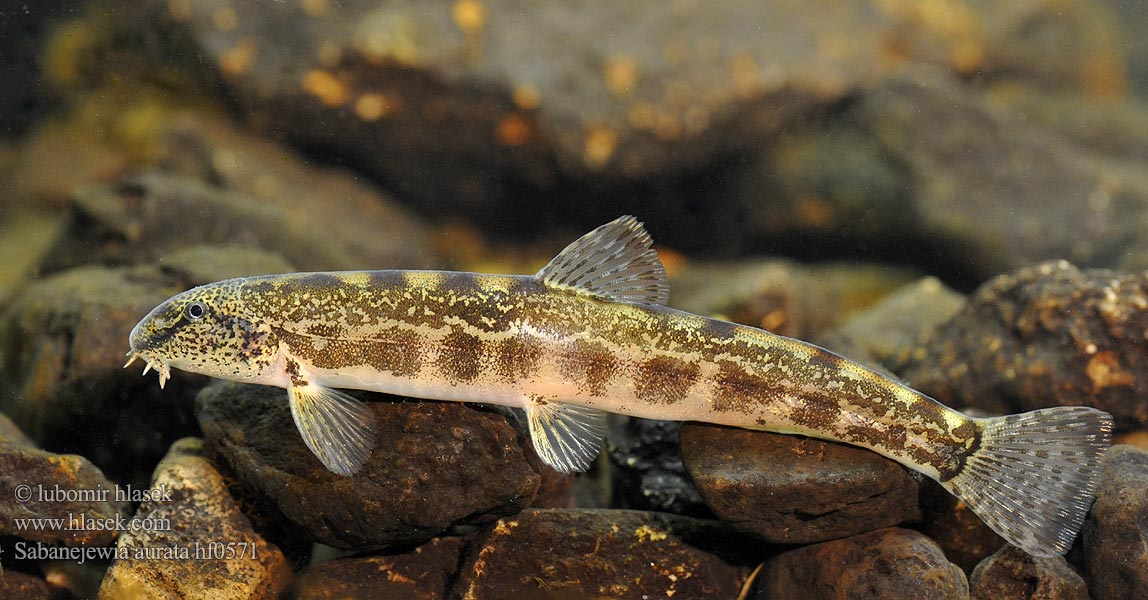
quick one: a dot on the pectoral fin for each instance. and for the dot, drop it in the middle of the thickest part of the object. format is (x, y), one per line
(339, 429)
(568, 437)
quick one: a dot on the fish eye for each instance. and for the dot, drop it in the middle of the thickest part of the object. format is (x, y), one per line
(196, 310)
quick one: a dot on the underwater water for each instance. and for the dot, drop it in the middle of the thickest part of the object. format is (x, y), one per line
(953, 194)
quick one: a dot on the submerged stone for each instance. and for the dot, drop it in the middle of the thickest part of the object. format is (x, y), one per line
(791, 489)
(435, 465)
(880, 565)
(626, 554)
(1116, 532)
(193, 542)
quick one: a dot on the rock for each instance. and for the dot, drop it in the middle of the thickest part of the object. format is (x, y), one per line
(26, 238)
(1018, 195)
(359, 226)
(425, 573)
(1042, 336)
(62, 346)
(435, 465)
(15, 585)
(201, 545)
(886, 564)
(462, 107)
(56, 158)
(145, 216)
(795, 490)
(963, 536)
(784, 297)
(1118, 131)
(35, 484)
(601, 553)
(1010, 574)
(647, 468)
(1116, 532)
(875, 334)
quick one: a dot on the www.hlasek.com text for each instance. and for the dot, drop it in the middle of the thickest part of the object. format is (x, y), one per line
(83, 522)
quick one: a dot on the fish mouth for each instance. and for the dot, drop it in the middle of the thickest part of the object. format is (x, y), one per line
(151, 362)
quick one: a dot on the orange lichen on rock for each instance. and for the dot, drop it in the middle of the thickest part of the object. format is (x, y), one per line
(469, 15)
(372, 106)
(620, 74)
(601, 141)
(239, 58)
(325, 86)
(1105, 371)
(513, 130)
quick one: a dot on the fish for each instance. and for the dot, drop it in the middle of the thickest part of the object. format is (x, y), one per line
(591, 334)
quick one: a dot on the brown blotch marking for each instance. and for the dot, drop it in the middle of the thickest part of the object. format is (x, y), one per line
(316, 281)
(589, 365)
(461, 357)
(459, 283)
(818, 411)
(734, 388)
(953, 467)
(965, 430)
(264, 286)
(385, 280)
(400, 352)
(717, 329)
(517, 356)
(517, 286)
(923, 409)
(828, 362)
(397, 351)
(664, 379)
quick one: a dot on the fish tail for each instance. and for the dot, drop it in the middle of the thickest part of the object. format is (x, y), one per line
(1033, 476)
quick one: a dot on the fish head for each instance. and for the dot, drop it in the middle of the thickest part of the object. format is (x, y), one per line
(204, 330)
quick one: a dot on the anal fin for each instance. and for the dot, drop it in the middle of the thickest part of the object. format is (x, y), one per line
(568, 437)
(338, 429)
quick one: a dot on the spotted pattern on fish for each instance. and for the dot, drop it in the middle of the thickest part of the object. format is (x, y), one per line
(466, 329)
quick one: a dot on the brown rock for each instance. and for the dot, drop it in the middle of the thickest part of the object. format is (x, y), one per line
(784, 297)
(1010, 574)
(790, 489)
(199, 544)
(599, 553)
(35, 484)
(461, 106)
(888, 564)
(26, 239)
(424, 573)
(435, 465)
(1042, 336)
(1116, 532)
(145, 216)
(1017, 194)
(22, 586)
(875, 334)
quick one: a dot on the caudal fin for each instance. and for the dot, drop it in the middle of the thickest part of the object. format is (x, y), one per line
(1034, 475)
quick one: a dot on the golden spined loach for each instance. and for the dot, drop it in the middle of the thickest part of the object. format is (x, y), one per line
(588, 335)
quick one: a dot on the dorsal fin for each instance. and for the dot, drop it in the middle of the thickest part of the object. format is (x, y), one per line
(614, 262)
